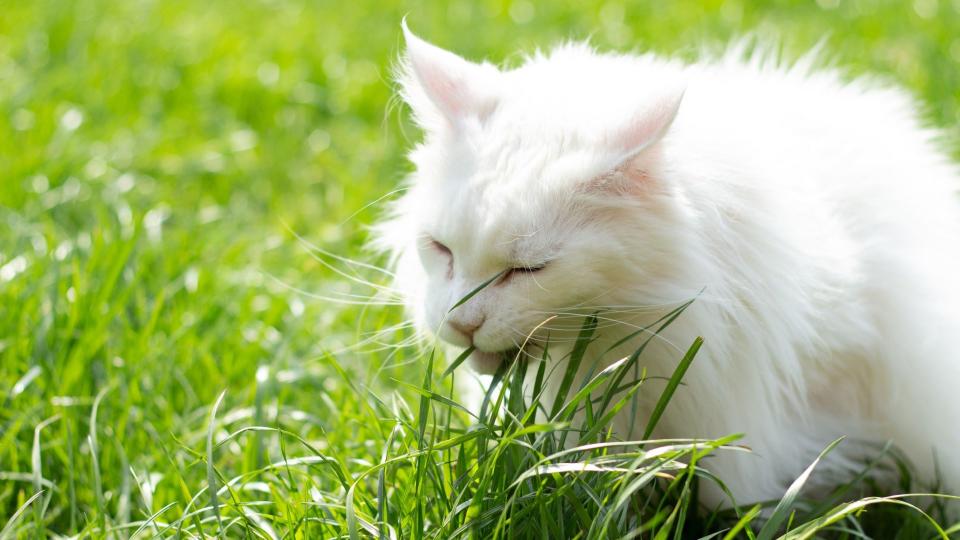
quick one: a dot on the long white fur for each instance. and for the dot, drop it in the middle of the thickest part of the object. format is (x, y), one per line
(817, 215)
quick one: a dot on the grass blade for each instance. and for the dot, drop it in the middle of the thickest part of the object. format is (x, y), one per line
(573, 366)
(671, 387)
(784, 507)
(479, 288)
(211, 472)
(95, 458)
(459, 360)
(7, 530)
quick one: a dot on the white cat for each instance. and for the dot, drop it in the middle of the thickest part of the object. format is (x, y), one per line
(817, 216)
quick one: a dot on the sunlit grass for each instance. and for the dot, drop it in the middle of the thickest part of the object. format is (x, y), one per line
(157, 162)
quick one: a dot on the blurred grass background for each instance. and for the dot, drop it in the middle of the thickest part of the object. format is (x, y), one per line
(155, 157)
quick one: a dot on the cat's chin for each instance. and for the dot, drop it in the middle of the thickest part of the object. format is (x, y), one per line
(485, 363)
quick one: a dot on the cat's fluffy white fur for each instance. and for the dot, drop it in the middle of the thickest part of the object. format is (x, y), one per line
(814, 219)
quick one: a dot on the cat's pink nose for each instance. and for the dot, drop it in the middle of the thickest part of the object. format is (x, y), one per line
(465, 329)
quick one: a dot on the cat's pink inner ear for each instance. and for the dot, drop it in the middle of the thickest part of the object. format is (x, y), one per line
(453, 85)
(648, 124)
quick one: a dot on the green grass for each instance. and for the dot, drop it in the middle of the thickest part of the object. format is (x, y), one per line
(160, 329)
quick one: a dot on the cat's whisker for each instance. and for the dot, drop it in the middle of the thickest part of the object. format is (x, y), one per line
(648, 332)
(573, 329)
(614, 308)
(389, 329)
(552, 339)
(394, 365)
(535, 280)
(531, 333)
(371, 203)
(356, 279)
(586, 310)
(517, 237)
(615, 315)
(381, 345)
(346, 299)
(351, 277)
(576, 321)
(609, 323)
(585, 302)
(353, 262)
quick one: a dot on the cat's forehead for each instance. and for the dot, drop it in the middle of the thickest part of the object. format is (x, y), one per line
(493, 210)
(525, 161)
(485, 215)
(504, 193)
(505, 188)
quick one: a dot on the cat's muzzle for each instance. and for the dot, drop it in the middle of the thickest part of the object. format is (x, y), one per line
(487, 363)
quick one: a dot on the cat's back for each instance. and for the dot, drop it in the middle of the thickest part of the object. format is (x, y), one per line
(852, 151)
(758, 110)
(845, 203)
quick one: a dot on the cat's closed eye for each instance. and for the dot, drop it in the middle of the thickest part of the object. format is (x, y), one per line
(439, 246)
(528, 269)
(518, 271)
(435, 254)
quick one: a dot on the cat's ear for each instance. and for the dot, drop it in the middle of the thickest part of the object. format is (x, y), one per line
(646, 125)
(441, 86)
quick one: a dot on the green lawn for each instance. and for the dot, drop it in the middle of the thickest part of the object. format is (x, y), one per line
(158, 162)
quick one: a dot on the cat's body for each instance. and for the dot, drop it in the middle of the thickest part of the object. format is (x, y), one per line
(815, 221)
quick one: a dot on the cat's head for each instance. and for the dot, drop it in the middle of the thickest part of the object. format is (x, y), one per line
(545, 176)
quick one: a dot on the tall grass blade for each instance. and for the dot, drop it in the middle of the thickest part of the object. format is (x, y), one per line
(782, 511)
(211, 471)
(671, 387)
(8, 528)
(95, 459)
(37, 466)
(459, 360)
(573, 363)
(479, 288)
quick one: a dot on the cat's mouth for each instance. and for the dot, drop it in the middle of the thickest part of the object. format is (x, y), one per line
(487, 363)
